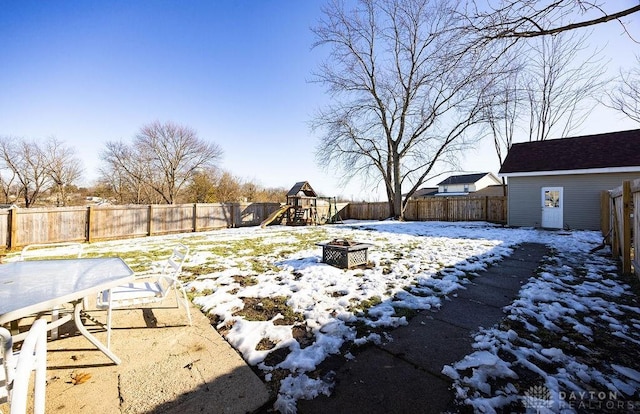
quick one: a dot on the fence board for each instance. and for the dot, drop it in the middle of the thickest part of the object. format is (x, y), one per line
(113, 222)
(41, 225)
(167, 219)
(491, 208)
(624, 223)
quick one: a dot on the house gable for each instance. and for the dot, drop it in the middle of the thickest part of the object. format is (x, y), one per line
(301, 189)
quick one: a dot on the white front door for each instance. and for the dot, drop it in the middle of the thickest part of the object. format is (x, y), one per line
(552, 204)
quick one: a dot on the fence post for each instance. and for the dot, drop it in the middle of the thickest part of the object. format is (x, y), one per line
(13, 224)
(626, 227)
(195, 217)
(486, 208)
(89, 221)
(615, 229)
(605, 213)
(446, 209)
(150, 220)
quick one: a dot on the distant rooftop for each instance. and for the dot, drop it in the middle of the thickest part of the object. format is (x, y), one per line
(463, 179)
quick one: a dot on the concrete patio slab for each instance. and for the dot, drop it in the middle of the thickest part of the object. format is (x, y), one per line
(167, 366)
(378, 382)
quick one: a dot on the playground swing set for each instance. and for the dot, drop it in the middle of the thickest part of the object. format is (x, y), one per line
(304, 208)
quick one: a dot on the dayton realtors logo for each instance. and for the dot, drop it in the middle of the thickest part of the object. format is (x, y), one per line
(537, 397)
(540, 399)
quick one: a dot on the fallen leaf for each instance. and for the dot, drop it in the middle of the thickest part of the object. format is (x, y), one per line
(80, 378)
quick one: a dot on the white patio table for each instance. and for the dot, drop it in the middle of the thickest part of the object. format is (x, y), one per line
(29, 287)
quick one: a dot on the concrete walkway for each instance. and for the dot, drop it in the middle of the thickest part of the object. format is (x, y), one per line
(167, 367)
(404, 375)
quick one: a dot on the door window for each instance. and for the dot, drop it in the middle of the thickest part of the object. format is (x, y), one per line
(552, 198)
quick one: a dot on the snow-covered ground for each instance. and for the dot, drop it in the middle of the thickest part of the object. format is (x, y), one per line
(569, 342)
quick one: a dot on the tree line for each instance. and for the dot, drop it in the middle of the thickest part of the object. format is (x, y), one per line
(165, 163)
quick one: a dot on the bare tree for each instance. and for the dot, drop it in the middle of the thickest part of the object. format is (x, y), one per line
(520, 19)
(625, 96)
(547, 91)
(173, 153)
(28, 164)
(405, 98)
(163, 158)
(560, 85)
(64, 168)
(503, 107)
(124, 173)
(7, 182)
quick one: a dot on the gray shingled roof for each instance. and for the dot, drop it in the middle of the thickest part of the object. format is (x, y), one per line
(303, 186)
(610, 150)
(463, 179)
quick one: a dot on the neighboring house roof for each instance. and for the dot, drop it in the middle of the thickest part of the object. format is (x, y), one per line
(304, 187)
(425, 192)
(464, 179)
(609, 152)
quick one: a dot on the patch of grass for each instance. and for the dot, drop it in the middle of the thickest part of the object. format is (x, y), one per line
(264, 309)
(406, 312)
(265, 344)
(199, 270)
(365, 305)
(259, 266)
(245, 280)
(192, 294)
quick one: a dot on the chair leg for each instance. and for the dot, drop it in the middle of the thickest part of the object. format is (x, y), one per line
(109, 310)
(185, 302)
(55, 314)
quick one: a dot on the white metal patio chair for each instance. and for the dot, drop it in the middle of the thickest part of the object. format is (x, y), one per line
(60, 250)
(17, 368)
(52, 250)
(151, 288)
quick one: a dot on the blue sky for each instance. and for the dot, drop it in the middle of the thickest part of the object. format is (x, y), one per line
(238, 72)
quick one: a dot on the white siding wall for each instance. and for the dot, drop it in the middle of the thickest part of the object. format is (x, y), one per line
(581, 198)
(452, 188)
(484, 182)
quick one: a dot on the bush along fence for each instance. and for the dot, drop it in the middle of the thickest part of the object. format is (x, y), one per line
(620, 222)
(20, 227)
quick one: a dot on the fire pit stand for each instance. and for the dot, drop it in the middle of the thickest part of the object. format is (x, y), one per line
(344, 254)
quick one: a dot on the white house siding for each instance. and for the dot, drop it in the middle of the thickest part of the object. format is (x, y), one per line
(581, 198)
(484, 182)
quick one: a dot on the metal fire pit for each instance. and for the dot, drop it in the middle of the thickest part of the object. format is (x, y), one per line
(344, 254)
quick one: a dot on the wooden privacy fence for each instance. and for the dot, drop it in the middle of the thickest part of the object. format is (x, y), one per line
(20, 227)
(488, 208)
(620, 222)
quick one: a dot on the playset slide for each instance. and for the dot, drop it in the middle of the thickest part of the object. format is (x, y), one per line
(274, 215)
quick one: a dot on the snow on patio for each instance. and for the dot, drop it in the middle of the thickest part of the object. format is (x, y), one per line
(270, 296)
